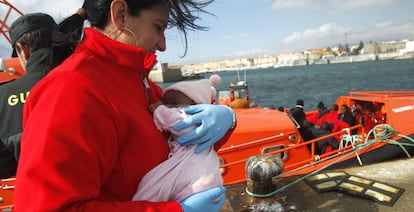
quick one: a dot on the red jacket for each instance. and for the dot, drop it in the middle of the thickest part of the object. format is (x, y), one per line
(338, 126)
(330, 116)
(88, 135)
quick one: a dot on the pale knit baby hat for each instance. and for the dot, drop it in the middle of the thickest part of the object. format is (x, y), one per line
(200, 91)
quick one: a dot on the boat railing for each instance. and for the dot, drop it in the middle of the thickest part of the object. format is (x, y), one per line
(381, 93)
(249, 144)
(313, 159)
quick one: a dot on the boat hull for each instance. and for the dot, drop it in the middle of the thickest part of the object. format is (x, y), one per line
(381, 154)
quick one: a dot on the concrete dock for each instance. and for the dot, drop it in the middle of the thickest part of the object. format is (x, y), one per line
(301, 197)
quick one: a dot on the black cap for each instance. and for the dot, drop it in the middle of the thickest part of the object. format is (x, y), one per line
(299, 102)
(27, 23)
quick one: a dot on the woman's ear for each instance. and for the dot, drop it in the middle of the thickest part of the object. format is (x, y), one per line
(119, 11)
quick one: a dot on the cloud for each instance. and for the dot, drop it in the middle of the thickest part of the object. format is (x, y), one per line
(323, 33)
(240, 54)
(391, 32)
(59, 11)
(235, 36)
(332, 34)
(330, 4)
(288, 4)
(358, 4)
(250, 52)
(384, 24)
(382, 31)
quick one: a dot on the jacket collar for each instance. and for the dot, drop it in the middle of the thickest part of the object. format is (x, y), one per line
(39, 61)
(126, 56)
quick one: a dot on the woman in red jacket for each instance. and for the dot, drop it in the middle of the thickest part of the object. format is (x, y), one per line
(87, 126)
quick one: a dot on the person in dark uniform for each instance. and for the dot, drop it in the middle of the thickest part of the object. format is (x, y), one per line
(305, 128)
(300, 113)
(31, 37)
(346, 115)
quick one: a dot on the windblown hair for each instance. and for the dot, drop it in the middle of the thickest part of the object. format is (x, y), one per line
(183, 14)
(66, 38)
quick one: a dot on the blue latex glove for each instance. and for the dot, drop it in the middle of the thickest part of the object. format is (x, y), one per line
(206, 201)
(212, 123)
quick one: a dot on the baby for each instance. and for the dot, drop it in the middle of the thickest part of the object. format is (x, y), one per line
(184, 172)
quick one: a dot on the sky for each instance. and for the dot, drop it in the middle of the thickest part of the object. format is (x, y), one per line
(250, 28)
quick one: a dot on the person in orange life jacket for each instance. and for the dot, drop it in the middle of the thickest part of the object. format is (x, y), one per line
(30, 36)
(332, 115)
(322, 110)
(323, 115)
(184, 173)
(320, 113)
(333, 118)
(89, 137)
(334, 108)
(338, 125)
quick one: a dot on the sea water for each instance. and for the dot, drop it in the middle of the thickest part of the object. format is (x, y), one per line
(274, 87)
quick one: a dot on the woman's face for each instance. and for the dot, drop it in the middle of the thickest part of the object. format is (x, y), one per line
(148, 28)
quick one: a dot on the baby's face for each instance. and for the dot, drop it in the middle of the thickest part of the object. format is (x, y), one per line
(176, 98)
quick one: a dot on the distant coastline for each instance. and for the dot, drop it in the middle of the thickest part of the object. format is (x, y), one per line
(362, 52)
(358, 53)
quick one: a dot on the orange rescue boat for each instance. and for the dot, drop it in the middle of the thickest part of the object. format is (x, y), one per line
(386, 133)
(10, 69)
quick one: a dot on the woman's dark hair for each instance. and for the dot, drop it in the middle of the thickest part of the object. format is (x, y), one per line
(66, 38)
(181, 15)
